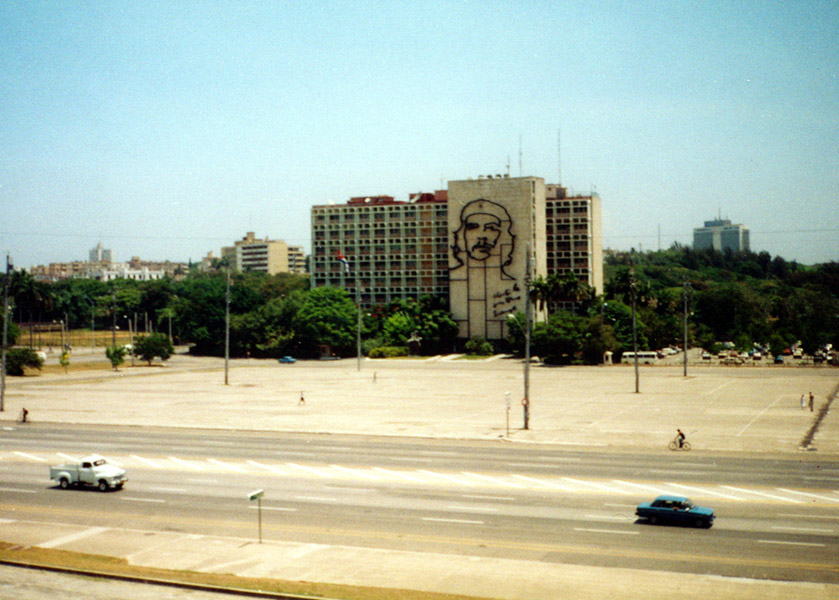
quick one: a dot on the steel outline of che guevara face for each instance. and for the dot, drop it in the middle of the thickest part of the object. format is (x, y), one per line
(483, 226)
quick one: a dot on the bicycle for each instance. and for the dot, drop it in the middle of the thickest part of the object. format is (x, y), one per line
(674, 445)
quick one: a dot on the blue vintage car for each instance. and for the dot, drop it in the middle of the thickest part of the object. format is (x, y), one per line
(677, 510)
(286, 359)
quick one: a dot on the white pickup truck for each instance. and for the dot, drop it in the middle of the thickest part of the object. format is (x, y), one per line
(90, 470)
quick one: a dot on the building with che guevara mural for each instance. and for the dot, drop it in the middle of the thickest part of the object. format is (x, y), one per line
(469, 242)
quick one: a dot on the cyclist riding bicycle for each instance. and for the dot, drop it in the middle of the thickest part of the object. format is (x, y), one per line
(680, 437)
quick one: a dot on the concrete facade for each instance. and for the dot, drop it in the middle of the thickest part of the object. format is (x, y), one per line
(492, 224)
(574, 236)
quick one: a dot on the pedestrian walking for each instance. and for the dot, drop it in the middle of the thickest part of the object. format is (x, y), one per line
(803, 401)
(302, 401)
(811, 401)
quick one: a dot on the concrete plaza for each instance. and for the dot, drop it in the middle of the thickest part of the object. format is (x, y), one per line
(726, 409)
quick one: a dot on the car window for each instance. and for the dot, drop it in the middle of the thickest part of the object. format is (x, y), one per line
(85, 465)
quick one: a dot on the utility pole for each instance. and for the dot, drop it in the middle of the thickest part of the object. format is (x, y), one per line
(685, 345)
(633, 290)
(227, 327)
(5, 332)
(526, 400)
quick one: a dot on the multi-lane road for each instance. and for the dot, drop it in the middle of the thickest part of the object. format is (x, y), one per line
(777, 518)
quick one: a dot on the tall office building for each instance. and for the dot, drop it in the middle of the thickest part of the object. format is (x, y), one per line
(264, 256)
(467, 244)
(721, 234)
(574, 236)
(395, 249)
(100, 254)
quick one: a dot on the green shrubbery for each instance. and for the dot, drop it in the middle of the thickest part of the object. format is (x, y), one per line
(17, 359)
(479, 346)
(388, 352)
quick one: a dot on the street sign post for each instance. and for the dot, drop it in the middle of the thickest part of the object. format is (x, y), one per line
(257, 495)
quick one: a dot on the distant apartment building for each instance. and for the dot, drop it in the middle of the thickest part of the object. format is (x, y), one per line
(264, 256)
(467, 244)
(721, 234)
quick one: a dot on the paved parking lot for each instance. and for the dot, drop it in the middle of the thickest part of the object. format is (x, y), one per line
(727, 409)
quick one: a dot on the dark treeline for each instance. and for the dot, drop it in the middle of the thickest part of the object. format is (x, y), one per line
(745, 298)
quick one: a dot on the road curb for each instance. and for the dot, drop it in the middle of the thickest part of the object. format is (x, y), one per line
(201, 587)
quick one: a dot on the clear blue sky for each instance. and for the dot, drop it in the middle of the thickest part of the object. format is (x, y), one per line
(168, 129)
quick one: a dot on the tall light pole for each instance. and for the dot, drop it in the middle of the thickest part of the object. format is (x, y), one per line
(5, 332)
(685, 345)
(227, 327)
(526, 400)
(633, 289)
(358, 328)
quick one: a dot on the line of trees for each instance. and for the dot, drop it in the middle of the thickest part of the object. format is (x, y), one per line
(743, 298)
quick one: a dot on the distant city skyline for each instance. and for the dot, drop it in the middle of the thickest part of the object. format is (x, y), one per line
(164, 131)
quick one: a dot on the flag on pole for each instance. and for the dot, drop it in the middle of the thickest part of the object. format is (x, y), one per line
(343, 260)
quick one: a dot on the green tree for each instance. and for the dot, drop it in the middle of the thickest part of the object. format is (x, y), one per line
(17, 359)
(147, 347)
(327, 317)
(116, 355)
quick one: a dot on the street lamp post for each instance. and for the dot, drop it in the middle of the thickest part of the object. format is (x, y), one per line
(526, 329)
(685, 345)
(227, 328)
(5, 332)
(633, 288)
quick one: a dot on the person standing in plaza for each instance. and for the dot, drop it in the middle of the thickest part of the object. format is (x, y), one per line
(803, 401)
(811, 401)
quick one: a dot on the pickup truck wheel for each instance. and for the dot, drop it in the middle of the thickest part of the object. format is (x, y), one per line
(64, 483)
(103, 486)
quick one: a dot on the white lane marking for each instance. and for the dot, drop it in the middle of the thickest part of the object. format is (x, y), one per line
(168, 489)
(494, 480)
(355, 472)
(471, 508)
(607, 517)
(648, 488)
(597, 486)
(225, 465)
(30, 457)
(146, 461)
(483, 497)
(410, 459)
(134, 499)
(275, 508)
(549, 484)
(808, 494)
(790, 543)
(615, 531)
(270, 468)
(531, 465)
(17, 491)
(66, 456)
(184, 463)
(819, 517)
(404, 476)
(802, 529)
(774, 497)
(759, 415)
(701, 491)
(6, 521)
(315, 499)
(310, 470)
(448, 478)
(203, 481)
(466, 521)
(72, 537)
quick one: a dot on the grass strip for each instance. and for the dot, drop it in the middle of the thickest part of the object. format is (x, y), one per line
(95, 564)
